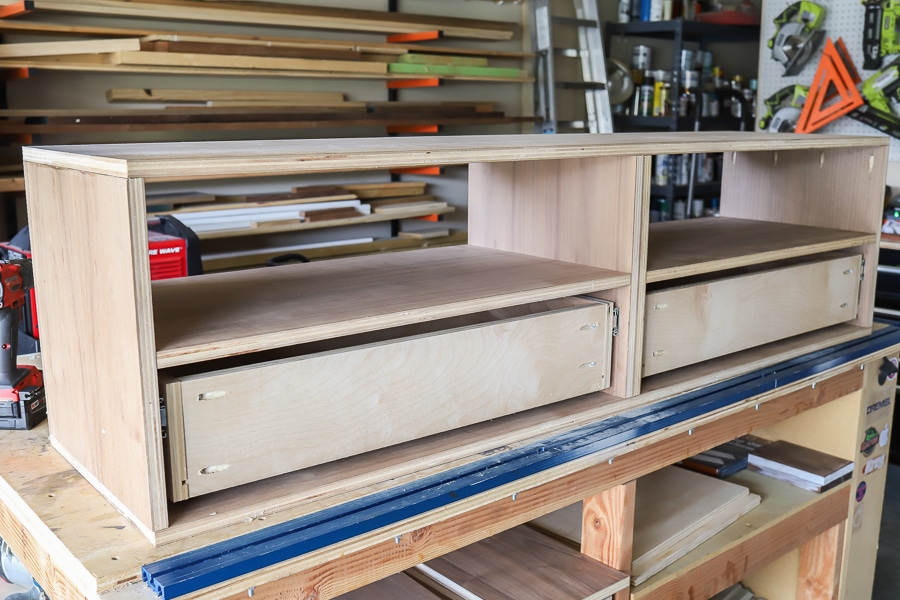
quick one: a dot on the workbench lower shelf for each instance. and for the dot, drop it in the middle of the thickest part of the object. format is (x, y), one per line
(787, 518)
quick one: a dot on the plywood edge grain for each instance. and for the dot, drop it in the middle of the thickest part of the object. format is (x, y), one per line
(146, 531)
(253, 158)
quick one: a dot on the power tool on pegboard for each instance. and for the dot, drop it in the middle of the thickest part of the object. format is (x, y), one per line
(783, 109)
(798, 35)
(880, 34)
(22, 401)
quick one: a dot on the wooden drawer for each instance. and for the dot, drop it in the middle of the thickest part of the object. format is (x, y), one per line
(233, 426)
(692, 323)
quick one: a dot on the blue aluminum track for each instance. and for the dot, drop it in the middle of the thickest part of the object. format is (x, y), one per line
(214, 564)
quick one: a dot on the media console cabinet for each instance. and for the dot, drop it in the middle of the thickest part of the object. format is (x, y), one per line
(198, 407)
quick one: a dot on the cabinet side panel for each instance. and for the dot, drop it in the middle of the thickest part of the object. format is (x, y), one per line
(586, 211)
(90, 252)
(578, 210)
(840, 188)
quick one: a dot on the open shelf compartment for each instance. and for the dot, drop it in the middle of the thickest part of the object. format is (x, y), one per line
(204, 318)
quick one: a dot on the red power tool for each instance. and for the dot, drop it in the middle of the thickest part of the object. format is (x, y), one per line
(22, 402)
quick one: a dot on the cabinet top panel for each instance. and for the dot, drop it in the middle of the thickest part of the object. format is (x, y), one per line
(195, 160)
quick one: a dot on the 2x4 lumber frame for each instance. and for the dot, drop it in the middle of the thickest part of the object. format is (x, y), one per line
(309, 535)
(283, 15)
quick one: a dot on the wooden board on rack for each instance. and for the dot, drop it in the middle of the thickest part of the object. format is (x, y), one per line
(73, 47)
(45, 27)
(162, 95)
(281, 15)
(217, 61)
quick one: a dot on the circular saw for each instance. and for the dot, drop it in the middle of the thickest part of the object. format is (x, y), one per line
(799, 34)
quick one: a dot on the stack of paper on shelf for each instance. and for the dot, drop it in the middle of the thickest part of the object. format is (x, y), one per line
(675, 511)
(726, 459)
(806, 468)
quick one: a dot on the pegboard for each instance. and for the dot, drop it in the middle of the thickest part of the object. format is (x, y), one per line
(843, 19)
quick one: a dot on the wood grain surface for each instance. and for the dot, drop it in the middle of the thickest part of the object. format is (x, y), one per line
(523, 563)
(367, 397)
(202, 318)
(693, 323)
(255, 158)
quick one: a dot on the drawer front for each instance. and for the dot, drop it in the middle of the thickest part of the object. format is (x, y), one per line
(249, 423)
(690, 324)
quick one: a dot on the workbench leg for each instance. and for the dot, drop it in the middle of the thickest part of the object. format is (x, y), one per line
(607, 528)
(820, 565)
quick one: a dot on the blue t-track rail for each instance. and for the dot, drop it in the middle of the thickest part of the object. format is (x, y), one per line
(214, 564)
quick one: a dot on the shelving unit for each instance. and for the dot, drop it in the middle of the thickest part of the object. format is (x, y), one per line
(677, 33)
(558, 229)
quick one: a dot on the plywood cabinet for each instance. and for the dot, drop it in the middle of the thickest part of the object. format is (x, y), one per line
(157, 391)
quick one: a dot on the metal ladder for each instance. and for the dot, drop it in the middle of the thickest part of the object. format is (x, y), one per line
(593, 67)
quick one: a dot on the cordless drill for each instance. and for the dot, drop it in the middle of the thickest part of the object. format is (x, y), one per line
(22, 402)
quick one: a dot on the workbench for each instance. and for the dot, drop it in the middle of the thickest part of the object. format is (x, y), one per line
(568, 349)
(796, 544)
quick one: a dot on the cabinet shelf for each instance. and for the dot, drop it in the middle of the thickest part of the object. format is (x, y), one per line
(206, 317)
(690, 30)
(697, 246)
(674, 123)
(786, 518)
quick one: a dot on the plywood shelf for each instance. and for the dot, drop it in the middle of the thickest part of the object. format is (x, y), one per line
(697, 246)
(207, 317)
(786, 518)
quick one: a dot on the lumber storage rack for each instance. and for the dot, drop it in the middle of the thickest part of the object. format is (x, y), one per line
(183, 574)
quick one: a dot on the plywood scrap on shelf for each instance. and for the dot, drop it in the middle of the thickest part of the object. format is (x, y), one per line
(400, 200)
(51, 122)
(523, 563)
(676, 510)
(45, 27)
(242, 259)
(425, 234)
(405, 206)
(414, 58)
(178, 198)
(282, 15)
(238, 49)
(367, 191)
(77, 47)
(299, 195)
(433, 69)
(216, 61)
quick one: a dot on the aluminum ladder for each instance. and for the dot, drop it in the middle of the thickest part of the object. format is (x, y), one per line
(593, 67)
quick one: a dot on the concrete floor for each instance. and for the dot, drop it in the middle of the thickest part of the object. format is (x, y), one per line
(887, 569)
